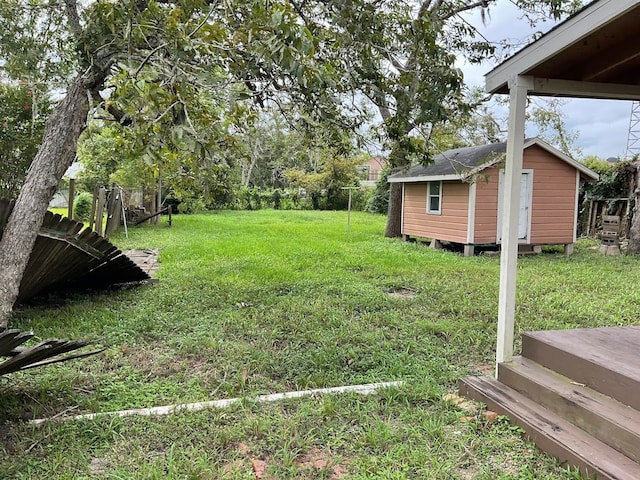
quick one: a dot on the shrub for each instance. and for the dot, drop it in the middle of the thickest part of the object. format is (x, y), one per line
(82, 207)
(379, 200)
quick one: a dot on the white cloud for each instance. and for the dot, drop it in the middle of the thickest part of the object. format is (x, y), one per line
(603, 125)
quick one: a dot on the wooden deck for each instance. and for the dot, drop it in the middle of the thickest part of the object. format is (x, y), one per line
(577, 395)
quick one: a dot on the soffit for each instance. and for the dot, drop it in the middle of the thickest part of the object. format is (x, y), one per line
(589, 47)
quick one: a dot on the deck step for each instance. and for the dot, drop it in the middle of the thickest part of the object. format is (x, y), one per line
(551, 433)
(605, 418)
(585, 356)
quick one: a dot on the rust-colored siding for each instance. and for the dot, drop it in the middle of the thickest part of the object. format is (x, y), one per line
(554, 197)
(553, 200)
(552, 204)
(450, 225)
(486, 216)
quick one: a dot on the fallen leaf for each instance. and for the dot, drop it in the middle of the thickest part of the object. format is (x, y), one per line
(453, 398)
(98, 466)
(339, 472)
(234, 467)
(490, 416)
(316, 458)
(259, 466)
(243, 447)
(468, 407)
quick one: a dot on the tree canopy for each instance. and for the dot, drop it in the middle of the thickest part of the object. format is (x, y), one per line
(21, 126)
(178, 74)
(400, 57)
(171, 72)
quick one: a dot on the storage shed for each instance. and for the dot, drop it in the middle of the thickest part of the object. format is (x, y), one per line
(457, 199)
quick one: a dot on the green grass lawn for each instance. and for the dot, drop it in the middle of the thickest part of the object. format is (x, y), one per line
(263, 302)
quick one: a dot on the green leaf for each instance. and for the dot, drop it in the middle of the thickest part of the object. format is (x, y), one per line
(276, 18)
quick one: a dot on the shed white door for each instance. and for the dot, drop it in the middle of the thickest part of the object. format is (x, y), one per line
(524, 222)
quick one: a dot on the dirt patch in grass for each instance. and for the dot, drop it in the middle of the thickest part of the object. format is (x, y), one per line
(98, 466)
(467, 472)
(7, 440)
(154, 363)
(485, 369)
(310, 465)
(401, 292)
(317, 461)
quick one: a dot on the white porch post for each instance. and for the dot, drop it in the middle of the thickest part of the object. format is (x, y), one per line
(518, 88)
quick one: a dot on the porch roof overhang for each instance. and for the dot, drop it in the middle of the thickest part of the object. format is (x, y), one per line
(593, 54)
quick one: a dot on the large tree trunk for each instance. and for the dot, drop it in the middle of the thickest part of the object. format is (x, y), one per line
(394, 212)
(56, 153)
(398, 160)
(633, 247)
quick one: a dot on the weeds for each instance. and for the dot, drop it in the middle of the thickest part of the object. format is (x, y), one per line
(262, 302)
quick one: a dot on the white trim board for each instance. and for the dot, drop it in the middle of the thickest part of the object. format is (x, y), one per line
(471, 213)
(576, 207)
(402, 212)
(581, 89)
(429, 178)
(365, 389)
(511, 201)
(501, 180)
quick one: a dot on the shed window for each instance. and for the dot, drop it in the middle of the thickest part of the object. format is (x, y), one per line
(434, 197)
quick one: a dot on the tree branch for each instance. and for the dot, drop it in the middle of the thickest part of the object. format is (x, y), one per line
(471, 6)
(380, 100)
(71, 7)
(460, 9)
(148, 57)
(165, 44)
(201, 24)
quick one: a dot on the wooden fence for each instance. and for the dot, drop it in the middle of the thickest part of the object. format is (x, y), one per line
(67, 256)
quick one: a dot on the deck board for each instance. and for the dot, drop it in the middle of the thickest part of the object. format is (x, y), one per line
(598, 344)
(585, 383)
(605, 359)
(552, 433)
(600, 415)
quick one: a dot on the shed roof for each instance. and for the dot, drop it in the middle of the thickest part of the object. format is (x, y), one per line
(462, 163)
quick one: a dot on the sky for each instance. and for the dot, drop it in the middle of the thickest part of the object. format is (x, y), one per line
(602, 125)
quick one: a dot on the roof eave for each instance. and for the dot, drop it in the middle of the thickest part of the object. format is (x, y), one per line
(559, 38)
(427, 178)
(587, 172)
(461, 175)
